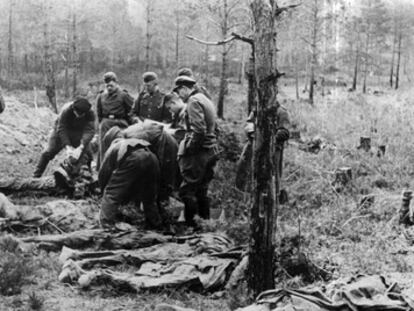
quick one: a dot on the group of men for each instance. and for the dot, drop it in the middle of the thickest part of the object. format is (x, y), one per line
(147, 148)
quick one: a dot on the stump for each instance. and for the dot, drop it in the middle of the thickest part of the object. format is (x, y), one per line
(364, 143)
(406, 213)
(366, 201)
(381, 150)
(343, 175)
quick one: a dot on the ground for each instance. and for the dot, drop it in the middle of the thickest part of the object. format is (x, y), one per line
(334, 231)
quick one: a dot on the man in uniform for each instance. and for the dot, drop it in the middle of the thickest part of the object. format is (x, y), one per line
(177, 108)
(150, 102)
(129, 172)
(113, 108)
(189, 73)
(74, 128)
(198, 151)
(162, 144)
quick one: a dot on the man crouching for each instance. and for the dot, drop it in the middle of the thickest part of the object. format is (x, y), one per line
(129, 172)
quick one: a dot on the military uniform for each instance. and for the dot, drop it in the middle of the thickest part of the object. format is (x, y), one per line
(113, 109)
(68, 131)
(198, 154)
(129, 172)
(179, 125)
(151, 106)
(162, 144)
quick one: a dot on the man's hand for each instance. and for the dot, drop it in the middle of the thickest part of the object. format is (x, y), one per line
(76, 153)
(69, 151)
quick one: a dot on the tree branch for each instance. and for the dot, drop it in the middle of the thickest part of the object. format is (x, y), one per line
(221, 42)
(242, 38)
(234, 36)
(280, 10)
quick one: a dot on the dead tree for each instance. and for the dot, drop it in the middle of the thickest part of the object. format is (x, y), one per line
(49, 71)
(148, 35)
(10, 55)
(265, 203)
(75, 58)
(397, 70)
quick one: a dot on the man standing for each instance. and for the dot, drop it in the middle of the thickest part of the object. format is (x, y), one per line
(113, 108)
(189, 73)
(74, 128)
(150, 102)
(198, 151)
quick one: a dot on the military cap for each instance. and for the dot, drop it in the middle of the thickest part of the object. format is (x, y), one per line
(185, 72)
(183, 81)
(82, 105)
(110, 76)
(149, 76)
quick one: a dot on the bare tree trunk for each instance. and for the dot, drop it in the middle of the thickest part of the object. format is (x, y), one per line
(392, 58)
(206, 60)
(50, 84)
(148, 35)
(364, 86)
(262, 245)
(66, 59)
(75, 57)
(355, 77)
(223, 77)
(251, 85)
(10, 55)
(315, 21)
(177, 38)
(397, 70)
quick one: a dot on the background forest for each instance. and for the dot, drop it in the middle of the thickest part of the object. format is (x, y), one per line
(68, 45)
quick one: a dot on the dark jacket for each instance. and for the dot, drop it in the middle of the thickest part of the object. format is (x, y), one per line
(114, 106)
(70, 128)
(119, 149)
(151, 106)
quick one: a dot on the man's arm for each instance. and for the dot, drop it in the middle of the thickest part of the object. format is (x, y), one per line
(107, 167)
(63, 126)
(128, 102)
(89, 130)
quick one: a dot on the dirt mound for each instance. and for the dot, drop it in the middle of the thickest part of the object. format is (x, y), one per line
(24, 132)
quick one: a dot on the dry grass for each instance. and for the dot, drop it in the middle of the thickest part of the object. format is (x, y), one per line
(336, 233)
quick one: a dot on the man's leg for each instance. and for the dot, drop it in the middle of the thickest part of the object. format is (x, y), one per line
(209, 159)
(147, 187)
(192, 173)
(53, 148)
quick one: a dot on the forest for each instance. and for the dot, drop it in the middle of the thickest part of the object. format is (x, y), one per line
(331, 229)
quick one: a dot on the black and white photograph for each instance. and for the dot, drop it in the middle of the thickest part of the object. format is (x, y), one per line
(185, 155)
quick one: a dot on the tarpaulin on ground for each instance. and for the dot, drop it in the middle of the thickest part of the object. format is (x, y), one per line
(360, 293)
(201, 262)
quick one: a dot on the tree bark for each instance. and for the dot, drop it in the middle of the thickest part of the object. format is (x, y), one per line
(355, 77)
(10, 55)
(67, 56)
(148, 35)
(314, 48)
(75, 57)
(364, 86)
(223, 77)
(177, 38)
(262, 244)
(392, 59)
(397, 70)
(50, 83)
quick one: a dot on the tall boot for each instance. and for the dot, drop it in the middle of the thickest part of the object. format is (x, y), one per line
(190, 210)
(41, 166)
(204, 207)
